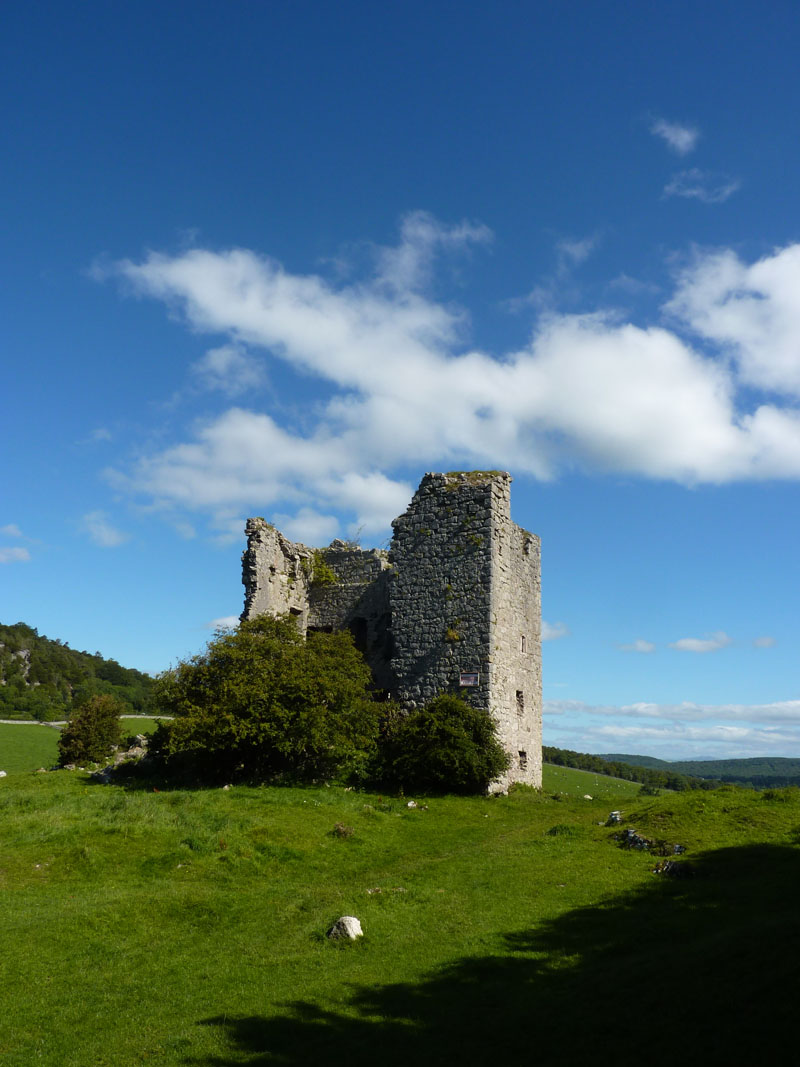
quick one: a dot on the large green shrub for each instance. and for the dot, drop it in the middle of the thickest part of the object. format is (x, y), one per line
(447, 746)
(261, 701)
(92, 731)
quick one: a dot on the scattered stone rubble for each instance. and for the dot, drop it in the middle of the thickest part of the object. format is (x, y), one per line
(134, 754)
(629, 838)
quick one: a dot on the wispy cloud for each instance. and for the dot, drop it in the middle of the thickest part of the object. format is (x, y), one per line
(639, 645)
(224, 622)
(679, 137)
(702, 185)
(712, 643)
(14, 555)
(101, 532)
(552, 631)
(229, 369)
(11, 530)
(764, 642)
(572, 252)
(676, 731)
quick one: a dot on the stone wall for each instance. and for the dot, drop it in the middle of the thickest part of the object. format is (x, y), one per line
(454, 607)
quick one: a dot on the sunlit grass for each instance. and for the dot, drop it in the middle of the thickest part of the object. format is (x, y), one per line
(130, 916)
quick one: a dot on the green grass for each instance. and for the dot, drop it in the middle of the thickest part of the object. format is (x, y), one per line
(28, 746)
(576, 783)
(187, 927)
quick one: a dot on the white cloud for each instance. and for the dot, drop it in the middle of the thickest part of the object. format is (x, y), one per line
(308, 526)
(781, 712)
(702, 185)
(230, 370)
(712, 643)
(588, 391)
(639, 645)
(552, 631)
(225, 622)
(764, 642)
(101, 434)
(14, 555)
(676, 731)
(680, 137)
(11, 530)
(101, 531)
(751, 311)
(408, 266)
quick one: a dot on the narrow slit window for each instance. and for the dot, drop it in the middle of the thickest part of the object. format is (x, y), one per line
(523, 760)
(520, 703)
(523, 644)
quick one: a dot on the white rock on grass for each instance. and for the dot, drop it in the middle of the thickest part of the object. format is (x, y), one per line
(347, 927)
(3, 774)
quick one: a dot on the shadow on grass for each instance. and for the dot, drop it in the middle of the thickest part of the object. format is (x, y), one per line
(695, 970)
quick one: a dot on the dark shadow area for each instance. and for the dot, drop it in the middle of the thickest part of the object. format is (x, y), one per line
(698, 969)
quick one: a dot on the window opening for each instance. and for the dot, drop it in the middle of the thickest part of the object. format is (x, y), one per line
(520, 703)
(523, 761)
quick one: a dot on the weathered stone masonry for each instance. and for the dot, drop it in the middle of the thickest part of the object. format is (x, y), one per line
(453, 607)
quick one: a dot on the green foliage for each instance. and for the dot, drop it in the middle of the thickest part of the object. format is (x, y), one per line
(45, 679)
(92, 731)
(261, 702)
(318, 570)
(447, 746)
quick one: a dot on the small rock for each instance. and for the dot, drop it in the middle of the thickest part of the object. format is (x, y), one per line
(347, 927)
(673, 869)
(42, 770)
(587, 797)
(3, 774)
(226, 787)
(411, 804)
(614, 817)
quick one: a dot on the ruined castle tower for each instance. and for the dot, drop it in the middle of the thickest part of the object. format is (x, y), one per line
(454, 607)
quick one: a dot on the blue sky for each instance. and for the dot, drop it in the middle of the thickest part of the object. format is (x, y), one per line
(282, 259)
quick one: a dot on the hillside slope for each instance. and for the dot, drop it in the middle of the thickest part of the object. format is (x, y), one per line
(43, 679)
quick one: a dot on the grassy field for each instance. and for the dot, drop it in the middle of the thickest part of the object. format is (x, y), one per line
(580, 783)
(155, 926)
(27, 746)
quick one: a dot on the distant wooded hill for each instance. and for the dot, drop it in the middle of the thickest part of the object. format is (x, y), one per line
(760, 772)
(44, 679)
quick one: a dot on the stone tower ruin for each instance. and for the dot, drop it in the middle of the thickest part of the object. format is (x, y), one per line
(453, 607)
